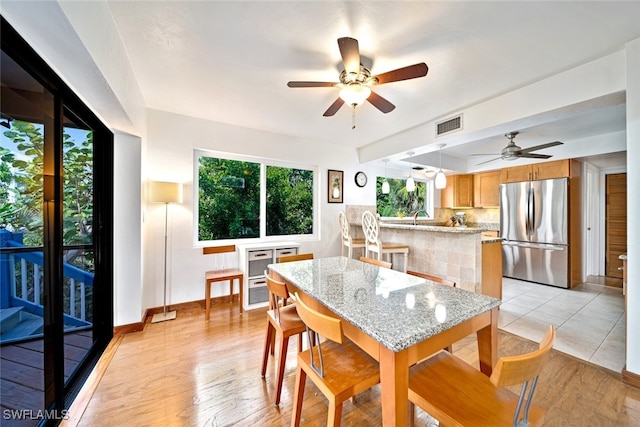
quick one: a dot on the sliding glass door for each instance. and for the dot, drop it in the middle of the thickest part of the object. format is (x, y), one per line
(55, 238)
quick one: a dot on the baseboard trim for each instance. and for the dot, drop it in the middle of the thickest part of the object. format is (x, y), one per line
(630, 378)
(127, 329)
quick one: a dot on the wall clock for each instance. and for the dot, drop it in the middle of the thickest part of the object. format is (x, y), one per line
(361, 179)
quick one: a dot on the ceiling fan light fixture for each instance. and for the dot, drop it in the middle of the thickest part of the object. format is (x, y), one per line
(355, 94)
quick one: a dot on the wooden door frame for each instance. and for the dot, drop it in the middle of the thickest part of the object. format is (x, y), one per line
(603, 211)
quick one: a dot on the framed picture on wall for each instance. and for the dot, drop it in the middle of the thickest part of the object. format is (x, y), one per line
(335, 186)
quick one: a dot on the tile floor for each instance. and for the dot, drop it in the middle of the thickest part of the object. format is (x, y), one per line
(589, 319)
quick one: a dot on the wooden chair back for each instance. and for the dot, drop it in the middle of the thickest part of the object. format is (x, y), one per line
(278, 294)
(327, 326)
(218, 249)
(432, 278)
(519, 369)
(295, 257)
(377, 262)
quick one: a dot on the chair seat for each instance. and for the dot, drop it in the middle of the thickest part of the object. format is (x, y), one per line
(349, 370)
(290, 323)
(457, 394)
(394, 247)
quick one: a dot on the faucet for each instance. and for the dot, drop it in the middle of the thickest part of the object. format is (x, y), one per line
(416, 213)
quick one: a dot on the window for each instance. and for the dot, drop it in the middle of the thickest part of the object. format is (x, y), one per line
(401, 203)
(244, 199)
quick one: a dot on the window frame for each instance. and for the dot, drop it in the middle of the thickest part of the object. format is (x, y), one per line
(263, 162)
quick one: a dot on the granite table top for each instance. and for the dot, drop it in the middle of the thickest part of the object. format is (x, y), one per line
(396, 309)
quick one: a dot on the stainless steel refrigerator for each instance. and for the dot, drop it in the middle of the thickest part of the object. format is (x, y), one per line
(534, 223)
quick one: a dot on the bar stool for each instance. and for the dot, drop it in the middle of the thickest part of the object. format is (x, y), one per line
(345, 235)
(370, 227)
(215, 276)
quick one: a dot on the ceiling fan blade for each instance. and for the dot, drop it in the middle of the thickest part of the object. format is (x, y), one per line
(350, 54)
(405, 73)
(492, 160)
(380, 103)
(334, 108)
(540, 147)
(534, 156)
(311, 84)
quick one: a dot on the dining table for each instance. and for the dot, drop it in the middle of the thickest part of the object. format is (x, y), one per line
(398, 319)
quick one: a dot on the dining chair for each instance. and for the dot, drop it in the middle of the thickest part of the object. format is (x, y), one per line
(433, 278)
(345, 234)
(377, 262)
(221, 276)
(457, 394)
(284, 322)
(371, 230)
(295, 257)
(337, 367)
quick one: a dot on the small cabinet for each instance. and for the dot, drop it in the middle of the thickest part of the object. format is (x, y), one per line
(254, 259)
(486, 189)
(545, 170)
(458, 193)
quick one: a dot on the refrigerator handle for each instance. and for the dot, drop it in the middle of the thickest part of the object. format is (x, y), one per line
(530, 211)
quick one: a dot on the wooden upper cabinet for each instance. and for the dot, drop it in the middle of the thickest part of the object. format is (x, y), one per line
(486, 189)
(458, 193)
(545, 170)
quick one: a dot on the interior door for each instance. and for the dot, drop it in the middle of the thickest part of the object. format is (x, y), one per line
(615, 223)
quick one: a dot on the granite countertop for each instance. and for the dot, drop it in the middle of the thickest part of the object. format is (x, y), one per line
(440, 228)
(623, 257)
(395, 309)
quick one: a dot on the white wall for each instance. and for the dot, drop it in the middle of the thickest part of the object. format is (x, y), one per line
(633, 205)
(171, 142)
(127, 240)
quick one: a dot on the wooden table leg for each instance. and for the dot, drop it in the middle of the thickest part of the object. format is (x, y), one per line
(394, 386)
(488, 344)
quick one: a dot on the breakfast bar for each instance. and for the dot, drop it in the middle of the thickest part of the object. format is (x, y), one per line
(396, 318)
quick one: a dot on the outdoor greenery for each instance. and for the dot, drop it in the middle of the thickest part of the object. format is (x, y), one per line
(399, 202)
(21, 183)
(229, 200)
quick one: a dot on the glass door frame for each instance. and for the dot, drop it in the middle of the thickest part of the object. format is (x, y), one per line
(58, 393)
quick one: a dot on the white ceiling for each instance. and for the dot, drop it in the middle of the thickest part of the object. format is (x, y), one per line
(230, 61)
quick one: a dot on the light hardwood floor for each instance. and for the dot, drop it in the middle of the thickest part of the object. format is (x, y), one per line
(188, 372)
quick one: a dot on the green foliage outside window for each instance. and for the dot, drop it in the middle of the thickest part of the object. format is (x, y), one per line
(229, 200)
(399, 202)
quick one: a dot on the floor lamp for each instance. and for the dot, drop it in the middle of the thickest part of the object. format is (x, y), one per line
(165, 192)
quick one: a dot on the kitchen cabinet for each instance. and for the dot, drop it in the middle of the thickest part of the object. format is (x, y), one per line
(458, 193)
(538, 171)
(486, 189)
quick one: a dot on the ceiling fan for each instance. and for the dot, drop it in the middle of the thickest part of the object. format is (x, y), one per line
(513, 152)
(356, 80)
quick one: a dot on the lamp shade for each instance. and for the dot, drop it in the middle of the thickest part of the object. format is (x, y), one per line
(441, 180)
(411, 184)
(165, 192)
(385, 187)
(355, 94)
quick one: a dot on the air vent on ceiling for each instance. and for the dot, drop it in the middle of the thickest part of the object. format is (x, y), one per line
(449, 125)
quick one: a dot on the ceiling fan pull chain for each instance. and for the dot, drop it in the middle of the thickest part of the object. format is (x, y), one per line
(353, 117)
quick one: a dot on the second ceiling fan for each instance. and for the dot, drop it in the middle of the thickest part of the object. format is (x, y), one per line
(356, 80)
(513, 152)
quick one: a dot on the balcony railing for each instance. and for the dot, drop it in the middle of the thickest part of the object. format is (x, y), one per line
(21, 281)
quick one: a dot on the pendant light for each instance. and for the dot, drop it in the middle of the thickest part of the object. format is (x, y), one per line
(441, 179)
(411, 184)
(385, 184)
